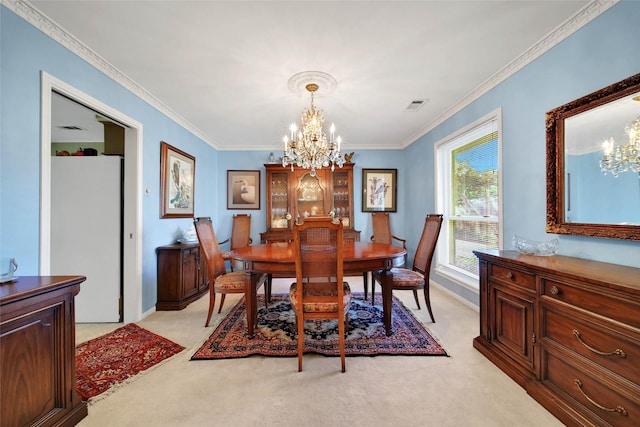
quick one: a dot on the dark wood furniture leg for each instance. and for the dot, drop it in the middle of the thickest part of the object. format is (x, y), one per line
(365, 282)
(251, 292)
(387, 292)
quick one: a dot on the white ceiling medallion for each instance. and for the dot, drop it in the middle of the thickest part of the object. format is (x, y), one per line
(298, 83)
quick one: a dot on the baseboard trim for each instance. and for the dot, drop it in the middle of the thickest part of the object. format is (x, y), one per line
(455, 296)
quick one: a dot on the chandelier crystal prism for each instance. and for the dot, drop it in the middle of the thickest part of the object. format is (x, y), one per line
(309, 147)
(618, 159)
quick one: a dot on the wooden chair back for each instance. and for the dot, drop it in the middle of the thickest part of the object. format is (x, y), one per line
(240, 231)
(427, 244)
(381, 227)
(319, 254)
(209, 247)
(381, 234)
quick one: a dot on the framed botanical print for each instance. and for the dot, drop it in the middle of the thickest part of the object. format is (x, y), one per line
(379, 190)
(177, 178)
(243, 189)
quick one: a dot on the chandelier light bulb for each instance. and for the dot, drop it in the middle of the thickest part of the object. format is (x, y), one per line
(607, 146)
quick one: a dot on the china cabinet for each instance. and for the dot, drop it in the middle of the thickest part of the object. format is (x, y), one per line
(567, 330)
(293, 195)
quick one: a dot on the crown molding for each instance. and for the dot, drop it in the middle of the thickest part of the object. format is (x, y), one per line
(35, 17)
(564, 30)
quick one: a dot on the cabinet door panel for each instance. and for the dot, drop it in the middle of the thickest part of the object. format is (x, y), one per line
(189, 273)
(512, 328)
(310, 194)
(342, 196)
(31, 383)
(278, 206)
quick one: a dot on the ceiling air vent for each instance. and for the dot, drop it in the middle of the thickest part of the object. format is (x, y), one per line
(70, 127)
(417, 104)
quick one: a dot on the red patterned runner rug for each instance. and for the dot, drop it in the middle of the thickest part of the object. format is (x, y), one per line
(276, 334)
(114, 358)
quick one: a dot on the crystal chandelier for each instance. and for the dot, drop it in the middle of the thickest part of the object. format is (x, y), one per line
(309, 146)
(618, 159)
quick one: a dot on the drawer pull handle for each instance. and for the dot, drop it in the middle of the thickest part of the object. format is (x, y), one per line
(618, 409)
(554, 290)
(509, 275)
(616, 352)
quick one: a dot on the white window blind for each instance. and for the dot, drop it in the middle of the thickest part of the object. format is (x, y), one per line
(468, 194)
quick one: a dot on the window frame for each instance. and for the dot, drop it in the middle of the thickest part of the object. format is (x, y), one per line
(443, 150)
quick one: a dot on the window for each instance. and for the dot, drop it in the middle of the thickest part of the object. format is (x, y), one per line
(468, 193)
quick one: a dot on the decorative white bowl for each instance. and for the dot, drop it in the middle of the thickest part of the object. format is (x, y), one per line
(532, 247)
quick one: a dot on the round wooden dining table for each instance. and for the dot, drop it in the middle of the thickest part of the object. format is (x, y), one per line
(278, 259)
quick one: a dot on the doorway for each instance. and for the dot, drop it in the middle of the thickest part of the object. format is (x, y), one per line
(87, 206)
(131, 232)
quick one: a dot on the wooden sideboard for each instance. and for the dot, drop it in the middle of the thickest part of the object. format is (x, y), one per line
(37, 352)
(182, 276)
(567, 330)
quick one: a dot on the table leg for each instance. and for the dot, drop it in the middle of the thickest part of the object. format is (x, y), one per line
(250, 295)
(387, 291)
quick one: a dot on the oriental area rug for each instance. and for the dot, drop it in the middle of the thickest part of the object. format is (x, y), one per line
(276, 333)
(117, 357)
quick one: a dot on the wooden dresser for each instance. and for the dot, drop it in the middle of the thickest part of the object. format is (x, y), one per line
(182, 276)
(37, 352)
(567, 330)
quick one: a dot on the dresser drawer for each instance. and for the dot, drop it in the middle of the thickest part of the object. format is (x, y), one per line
(512, 276)
(621, 308)
(598, 395)
(604, 343)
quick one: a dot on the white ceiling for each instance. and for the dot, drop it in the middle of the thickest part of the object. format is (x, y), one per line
(223, 66)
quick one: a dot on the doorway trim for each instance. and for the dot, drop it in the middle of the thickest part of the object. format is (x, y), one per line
(132, 238)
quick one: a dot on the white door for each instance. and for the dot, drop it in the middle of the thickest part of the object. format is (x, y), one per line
(85, 231)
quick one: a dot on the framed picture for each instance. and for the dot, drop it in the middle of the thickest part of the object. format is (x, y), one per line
(177, 178)
(243, 189)
(379, 190)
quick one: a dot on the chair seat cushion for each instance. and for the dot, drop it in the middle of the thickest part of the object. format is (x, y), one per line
(404, 277)
(226, 255)
(230, 282)
(320, 307)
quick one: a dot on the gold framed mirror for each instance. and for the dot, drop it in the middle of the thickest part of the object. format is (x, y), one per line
(593, 161)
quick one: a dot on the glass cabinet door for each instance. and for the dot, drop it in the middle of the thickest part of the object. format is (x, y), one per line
(279, 200)
(310, 196)
(341, 197)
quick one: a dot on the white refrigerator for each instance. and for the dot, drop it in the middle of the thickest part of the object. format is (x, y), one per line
(86, 217)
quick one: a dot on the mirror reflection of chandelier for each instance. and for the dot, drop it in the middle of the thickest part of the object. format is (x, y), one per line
(308, 146)
(618, 159)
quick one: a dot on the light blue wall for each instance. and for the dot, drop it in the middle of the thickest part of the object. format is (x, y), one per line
(595, 56)
(24, 53)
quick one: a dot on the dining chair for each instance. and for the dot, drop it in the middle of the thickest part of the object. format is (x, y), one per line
(417, 277)
(240, 236)
(220, 281)
(319, 291)
(381, 227)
